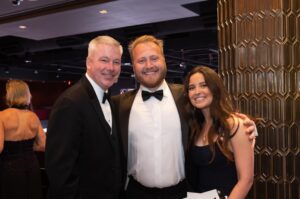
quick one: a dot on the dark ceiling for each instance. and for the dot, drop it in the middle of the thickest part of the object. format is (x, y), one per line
(189, 41)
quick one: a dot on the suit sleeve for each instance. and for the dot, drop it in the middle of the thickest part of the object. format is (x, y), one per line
(116, 110)
(62, 150)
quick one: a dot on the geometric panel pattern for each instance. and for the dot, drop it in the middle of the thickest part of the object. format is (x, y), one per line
(259, 60)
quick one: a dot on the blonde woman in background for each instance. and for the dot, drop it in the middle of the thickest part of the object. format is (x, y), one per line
(21, 134)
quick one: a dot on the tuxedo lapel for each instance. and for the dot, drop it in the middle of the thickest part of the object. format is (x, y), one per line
(126, 101)
(177, 92)
(114, 126)
(100, 114)
(95, 103)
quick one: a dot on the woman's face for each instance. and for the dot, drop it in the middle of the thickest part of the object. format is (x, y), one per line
(199, 94)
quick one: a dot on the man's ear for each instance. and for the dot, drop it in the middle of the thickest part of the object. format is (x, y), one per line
(88, 62)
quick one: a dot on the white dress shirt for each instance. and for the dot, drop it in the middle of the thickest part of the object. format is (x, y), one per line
(106, 106)
(155, 150)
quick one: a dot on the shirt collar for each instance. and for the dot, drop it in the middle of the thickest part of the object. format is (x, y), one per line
(98, 90)
(161, 87)
(164, 86)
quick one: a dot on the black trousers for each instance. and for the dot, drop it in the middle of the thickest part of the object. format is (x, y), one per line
(136, 190)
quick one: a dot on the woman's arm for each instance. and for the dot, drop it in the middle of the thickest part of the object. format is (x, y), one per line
(40, 139)
(244, 160)
(250, 126)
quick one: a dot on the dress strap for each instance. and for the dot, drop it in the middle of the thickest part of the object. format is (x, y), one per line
(237, 128)
(21, 106)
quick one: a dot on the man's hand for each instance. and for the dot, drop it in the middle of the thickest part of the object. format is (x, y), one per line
(250, 127)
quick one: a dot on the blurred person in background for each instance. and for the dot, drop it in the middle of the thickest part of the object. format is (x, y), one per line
(21, 134)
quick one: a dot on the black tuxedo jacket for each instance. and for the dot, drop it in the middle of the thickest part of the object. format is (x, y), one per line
(82, 157)
(123, 104)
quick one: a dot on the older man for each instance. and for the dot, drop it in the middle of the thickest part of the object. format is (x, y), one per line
(82, 147)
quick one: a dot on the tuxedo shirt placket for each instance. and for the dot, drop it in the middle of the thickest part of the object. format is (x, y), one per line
(155, 152)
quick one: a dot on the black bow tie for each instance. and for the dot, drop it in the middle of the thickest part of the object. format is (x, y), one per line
(106, 96)
(157, 94)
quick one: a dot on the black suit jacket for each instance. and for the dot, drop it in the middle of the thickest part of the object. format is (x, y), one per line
(82, 157)
(123, 104)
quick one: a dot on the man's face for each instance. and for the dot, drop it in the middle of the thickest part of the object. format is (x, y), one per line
(149, 64)
(104, 65)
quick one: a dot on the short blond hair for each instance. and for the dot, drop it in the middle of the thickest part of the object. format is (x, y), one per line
(17, 93)
(104, 39)
(144, 39)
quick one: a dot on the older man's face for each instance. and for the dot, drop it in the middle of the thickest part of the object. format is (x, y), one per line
(104, 65)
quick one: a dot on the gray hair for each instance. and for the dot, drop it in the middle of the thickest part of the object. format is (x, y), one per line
(104, 40)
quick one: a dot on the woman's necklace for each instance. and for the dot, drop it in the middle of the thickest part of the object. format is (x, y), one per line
(204, 139)
(205, 131)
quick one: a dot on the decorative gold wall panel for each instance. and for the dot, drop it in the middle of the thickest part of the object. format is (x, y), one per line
(259, 59)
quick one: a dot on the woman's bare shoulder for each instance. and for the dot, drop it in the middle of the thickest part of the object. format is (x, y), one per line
(11, 114)
(8, 112)
(234, 123)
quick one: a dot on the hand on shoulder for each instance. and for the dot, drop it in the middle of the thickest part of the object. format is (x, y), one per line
(234, 124)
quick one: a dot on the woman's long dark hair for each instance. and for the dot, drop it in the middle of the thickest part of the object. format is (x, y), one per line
(220, 110)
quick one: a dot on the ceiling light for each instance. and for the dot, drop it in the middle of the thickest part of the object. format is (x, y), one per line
(27, 57)
(59, 68)
(6, 70)
(16, 2)
(103, 11)
(182, 65)
(22, 27)
(127, 64)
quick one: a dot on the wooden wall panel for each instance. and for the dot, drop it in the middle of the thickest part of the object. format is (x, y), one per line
(259, 57)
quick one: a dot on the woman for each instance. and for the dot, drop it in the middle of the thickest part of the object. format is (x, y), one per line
(21, 133)
(220, 154)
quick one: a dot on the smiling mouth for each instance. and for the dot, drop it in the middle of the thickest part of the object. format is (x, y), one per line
(109, 75)
(197, 99)
(150, 72)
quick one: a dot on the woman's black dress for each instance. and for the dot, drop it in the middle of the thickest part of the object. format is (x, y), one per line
(220, 174)
(19, 171)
